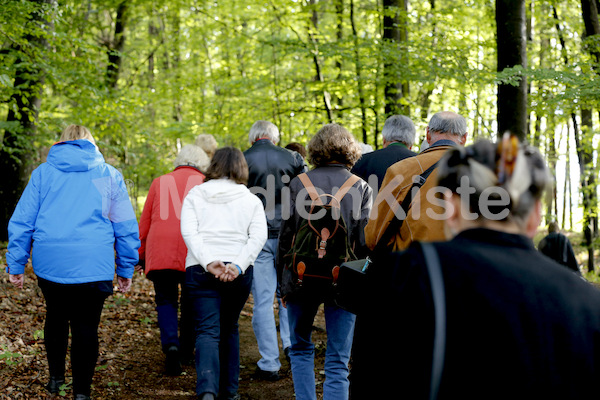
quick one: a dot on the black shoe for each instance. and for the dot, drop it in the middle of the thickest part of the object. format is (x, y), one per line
(206, 396)
(266, 375)
(82, 397)
(172, 363)
(286, 351)
(55, 383)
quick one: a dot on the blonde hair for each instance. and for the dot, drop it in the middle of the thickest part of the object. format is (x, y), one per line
(333, 144)
(76, 132)
(194, 156)
(207, 143)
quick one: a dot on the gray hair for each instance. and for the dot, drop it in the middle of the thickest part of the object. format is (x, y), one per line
(449, 123)
(399, 128)
(479, 164)
(193, 156)
(263, 129)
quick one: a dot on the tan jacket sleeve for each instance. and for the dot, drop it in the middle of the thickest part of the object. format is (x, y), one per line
(393, 190)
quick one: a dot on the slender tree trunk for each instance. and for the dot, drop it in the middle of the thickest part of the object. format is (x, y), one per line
(428, 87)
(318, 68)
(512, 51)
(589, 10)
(339, 11)
(177, 87)
(567, 179)
(395, 35)
(551, 157)
(116, 47)
(359, 79)
(17, 152)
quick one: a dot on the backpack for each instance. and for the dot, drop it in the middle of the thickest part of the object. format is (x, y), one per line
(321, 243)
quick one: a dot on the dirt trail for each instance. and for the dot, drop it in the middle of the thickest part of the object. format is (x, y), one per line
(131, 363)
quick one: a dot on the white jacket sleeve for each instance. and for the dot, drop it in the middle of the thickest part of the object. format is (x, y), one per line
(190, 219)
(257, 236)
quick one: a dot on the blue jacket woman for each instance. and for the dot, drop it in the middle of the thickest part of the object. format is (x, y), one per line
(74, 217)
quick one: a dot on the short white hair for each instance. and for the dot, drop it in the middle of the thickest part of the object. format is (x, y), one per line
(263, 129)
(193, 156)
(365, 148)
(399, 128)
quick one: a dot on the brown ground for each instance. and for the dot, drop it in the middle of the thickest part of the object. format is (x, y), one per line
(131, 362)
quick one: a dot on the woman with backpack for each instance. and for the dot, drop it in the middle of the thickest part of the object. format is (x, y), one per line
(328, 209)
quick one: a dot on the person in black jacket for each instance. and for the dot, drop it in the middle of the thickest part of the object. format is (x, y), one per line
(398, 137)
(517, 324)
(558, 247)
(271, 169)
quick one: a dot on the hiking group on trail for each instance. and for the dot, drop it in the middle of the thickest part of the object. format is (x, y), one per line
(453, 298)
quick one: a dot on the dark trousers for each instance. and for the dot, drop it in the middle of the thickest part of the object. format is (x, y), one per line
(173, 331)
(217, 306)
(79, 307)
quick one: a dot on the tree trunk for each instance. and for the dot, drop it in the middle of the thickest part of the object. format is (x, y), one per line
(116, 47)
(359, 80)
(589, 11)
(17, 153)
(551, 157)
(512, 51)
(318, 68)
(395, 34)
(339, 11)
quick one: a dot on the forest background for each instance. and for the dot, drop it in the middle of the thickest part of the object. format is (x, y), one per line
(147, 76)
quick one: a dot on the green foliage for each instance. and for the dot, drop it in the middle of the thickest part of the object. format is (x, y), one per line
(10, 358)
(216, 67)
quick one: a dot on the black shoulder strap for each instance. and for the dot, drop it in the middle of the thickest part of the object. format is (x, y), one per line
(396, 223)
(436, 280)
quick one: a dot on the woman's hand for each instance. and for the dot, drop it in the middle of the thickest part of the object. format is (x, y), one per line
(217, 268)
(17, 280)
(232, 272)
(124, 284)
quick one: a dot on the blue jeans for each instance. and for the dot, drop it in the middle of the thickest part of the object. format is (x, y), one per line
(166, 286)
(264, 287)
(340, 330)
(217, 306)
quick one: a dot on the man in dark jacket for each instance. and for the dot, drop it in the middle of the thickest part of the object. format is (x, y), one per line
(398, 137)
(271, 169)
(558, 247)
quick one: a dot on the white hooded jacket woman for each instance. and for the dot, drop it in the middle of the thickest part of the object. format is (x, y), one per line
(222, 221)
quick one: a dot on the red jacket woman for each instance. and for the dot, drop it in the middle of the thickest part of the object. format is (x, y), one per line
(162, 245)
(163, 252)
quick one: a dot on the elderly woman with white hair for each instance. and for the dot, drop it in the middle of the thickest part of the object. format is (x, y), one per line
(163, 252)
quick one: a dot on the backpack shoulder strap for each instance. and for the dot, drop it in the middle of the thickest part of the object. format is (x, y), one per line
(339, 195)
(310, 189)
(395, 223)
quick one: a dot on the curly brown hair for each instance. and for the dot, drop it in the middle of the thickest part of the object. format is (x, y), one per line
(333, 144)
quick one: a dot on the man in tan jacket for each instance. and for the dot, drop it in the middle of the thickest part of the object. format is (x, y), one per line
(423, 220)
